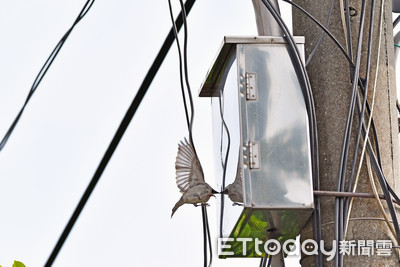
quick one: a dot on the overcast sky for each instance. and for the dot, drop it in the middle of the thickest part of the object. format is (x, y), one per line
(69, 122)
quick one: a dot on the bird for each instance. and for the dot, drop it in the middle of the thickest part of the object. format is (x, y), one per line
(190, 177)
(235, 189)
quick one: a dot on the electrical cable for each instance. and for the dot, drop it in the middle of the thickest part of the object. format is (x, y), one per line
(343, 19)
(333, 38)
(206, 231)
(185, 65)
(209, 236)
(224, 165)
(180, 63)
(339, 220)
(377, 161)
(266, 261)
(396, 21)
(384, 185)
(321, 38)
(118, 135)
(309, 102)
(348, 28)
(379, 202)
(361, 118)
(387, 190)
(203, 213)
(44, 70)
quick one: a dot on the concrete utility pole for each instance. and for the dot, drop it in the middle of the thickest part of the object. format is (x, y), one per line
(330, 80)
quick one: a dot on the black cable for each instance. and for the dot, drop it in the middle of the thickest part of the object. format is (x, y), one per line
(209, 237)
(266, 261)
(323, 28)
(386, 190)
(225, 164)
(180, 63)
(44, 70)
(307, 93)
(206, 230)
(185, 65)
(348, 26)
(361, 115)
(396, 21)
(321, 38)
(376, 157)
(378, 165)
(203, 213)
(338, 230)
(269, 262)
(118, 135)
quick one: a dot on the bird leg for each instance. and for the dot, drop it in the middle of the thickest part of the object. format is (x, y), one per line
(201, 204)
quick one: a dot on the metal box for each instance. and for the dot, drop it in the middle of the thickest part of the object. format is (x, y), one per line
(254, 89)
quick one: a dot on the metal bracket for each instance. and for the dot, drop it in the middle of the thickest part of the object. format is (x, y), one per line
(254, 149)
(251, 86)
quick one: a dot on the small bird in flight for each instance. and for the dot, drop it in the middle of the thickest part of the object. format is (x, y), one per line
(190, 178)
(235, 189)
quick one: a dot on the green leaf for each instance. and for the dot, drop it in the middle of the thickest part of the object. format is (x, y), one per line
(18, 264)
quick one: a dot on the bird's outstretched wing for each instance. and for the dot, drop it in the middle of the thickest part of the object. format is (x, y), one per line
(188, 168)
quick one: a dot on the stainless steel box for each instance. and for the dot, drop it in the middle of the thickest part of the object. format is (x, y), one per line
(256, 92)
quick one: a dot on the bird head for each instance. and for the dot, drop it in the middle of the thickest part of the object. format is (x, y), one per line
(225, 191)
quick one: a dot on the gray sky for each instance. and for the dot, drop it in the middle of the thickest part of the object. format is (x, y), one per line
(69, 122)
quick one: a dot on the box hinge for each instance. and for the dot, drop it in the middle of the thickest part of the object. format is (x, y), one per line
(254, 155)
(251, 86)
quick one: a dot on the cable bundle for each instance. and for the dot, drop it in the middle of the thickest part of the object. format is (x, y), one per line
(44, 70)
(363, 110)
(183, 71)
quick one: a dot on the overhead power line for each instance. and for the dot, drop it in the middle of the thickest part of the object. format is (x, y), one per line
(120, 132)
(44, 70)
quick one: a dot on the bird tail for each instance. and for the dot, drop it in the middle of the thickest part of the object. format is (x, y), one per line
(177, 205)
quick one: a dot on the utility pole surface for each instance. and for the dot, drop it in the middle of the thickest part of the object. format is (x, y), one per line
(329, 73)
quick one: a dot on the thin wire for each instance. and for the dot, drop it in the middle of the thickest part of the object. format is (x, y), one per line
(118, 135)
(323, 28)
(396, 21)
(224, 165)
(376, 158)
(343, 19)
(208, 236)
(44, 70)
(180, 63)
(339, 220)
(185, 65)
(266, 261)
(321, 38)
(379, 202)
(203, 213)
(355, 219)
(348, 28)
(348, 59)
(348, 206)
(385, 189)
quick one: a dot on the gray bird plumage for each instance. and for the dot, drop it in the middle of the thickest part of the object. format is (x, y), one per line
(190, 177)
(235, 189)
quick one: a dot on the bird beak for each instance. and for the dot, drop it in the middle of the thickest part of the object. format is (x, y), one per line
(215, 192)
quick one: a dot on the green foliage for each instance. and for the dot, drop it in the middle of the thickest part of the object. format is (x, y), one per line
(18, 264)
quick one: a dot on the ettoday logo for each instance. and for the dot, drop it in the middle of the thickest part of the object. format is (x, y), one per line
(308, 247)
